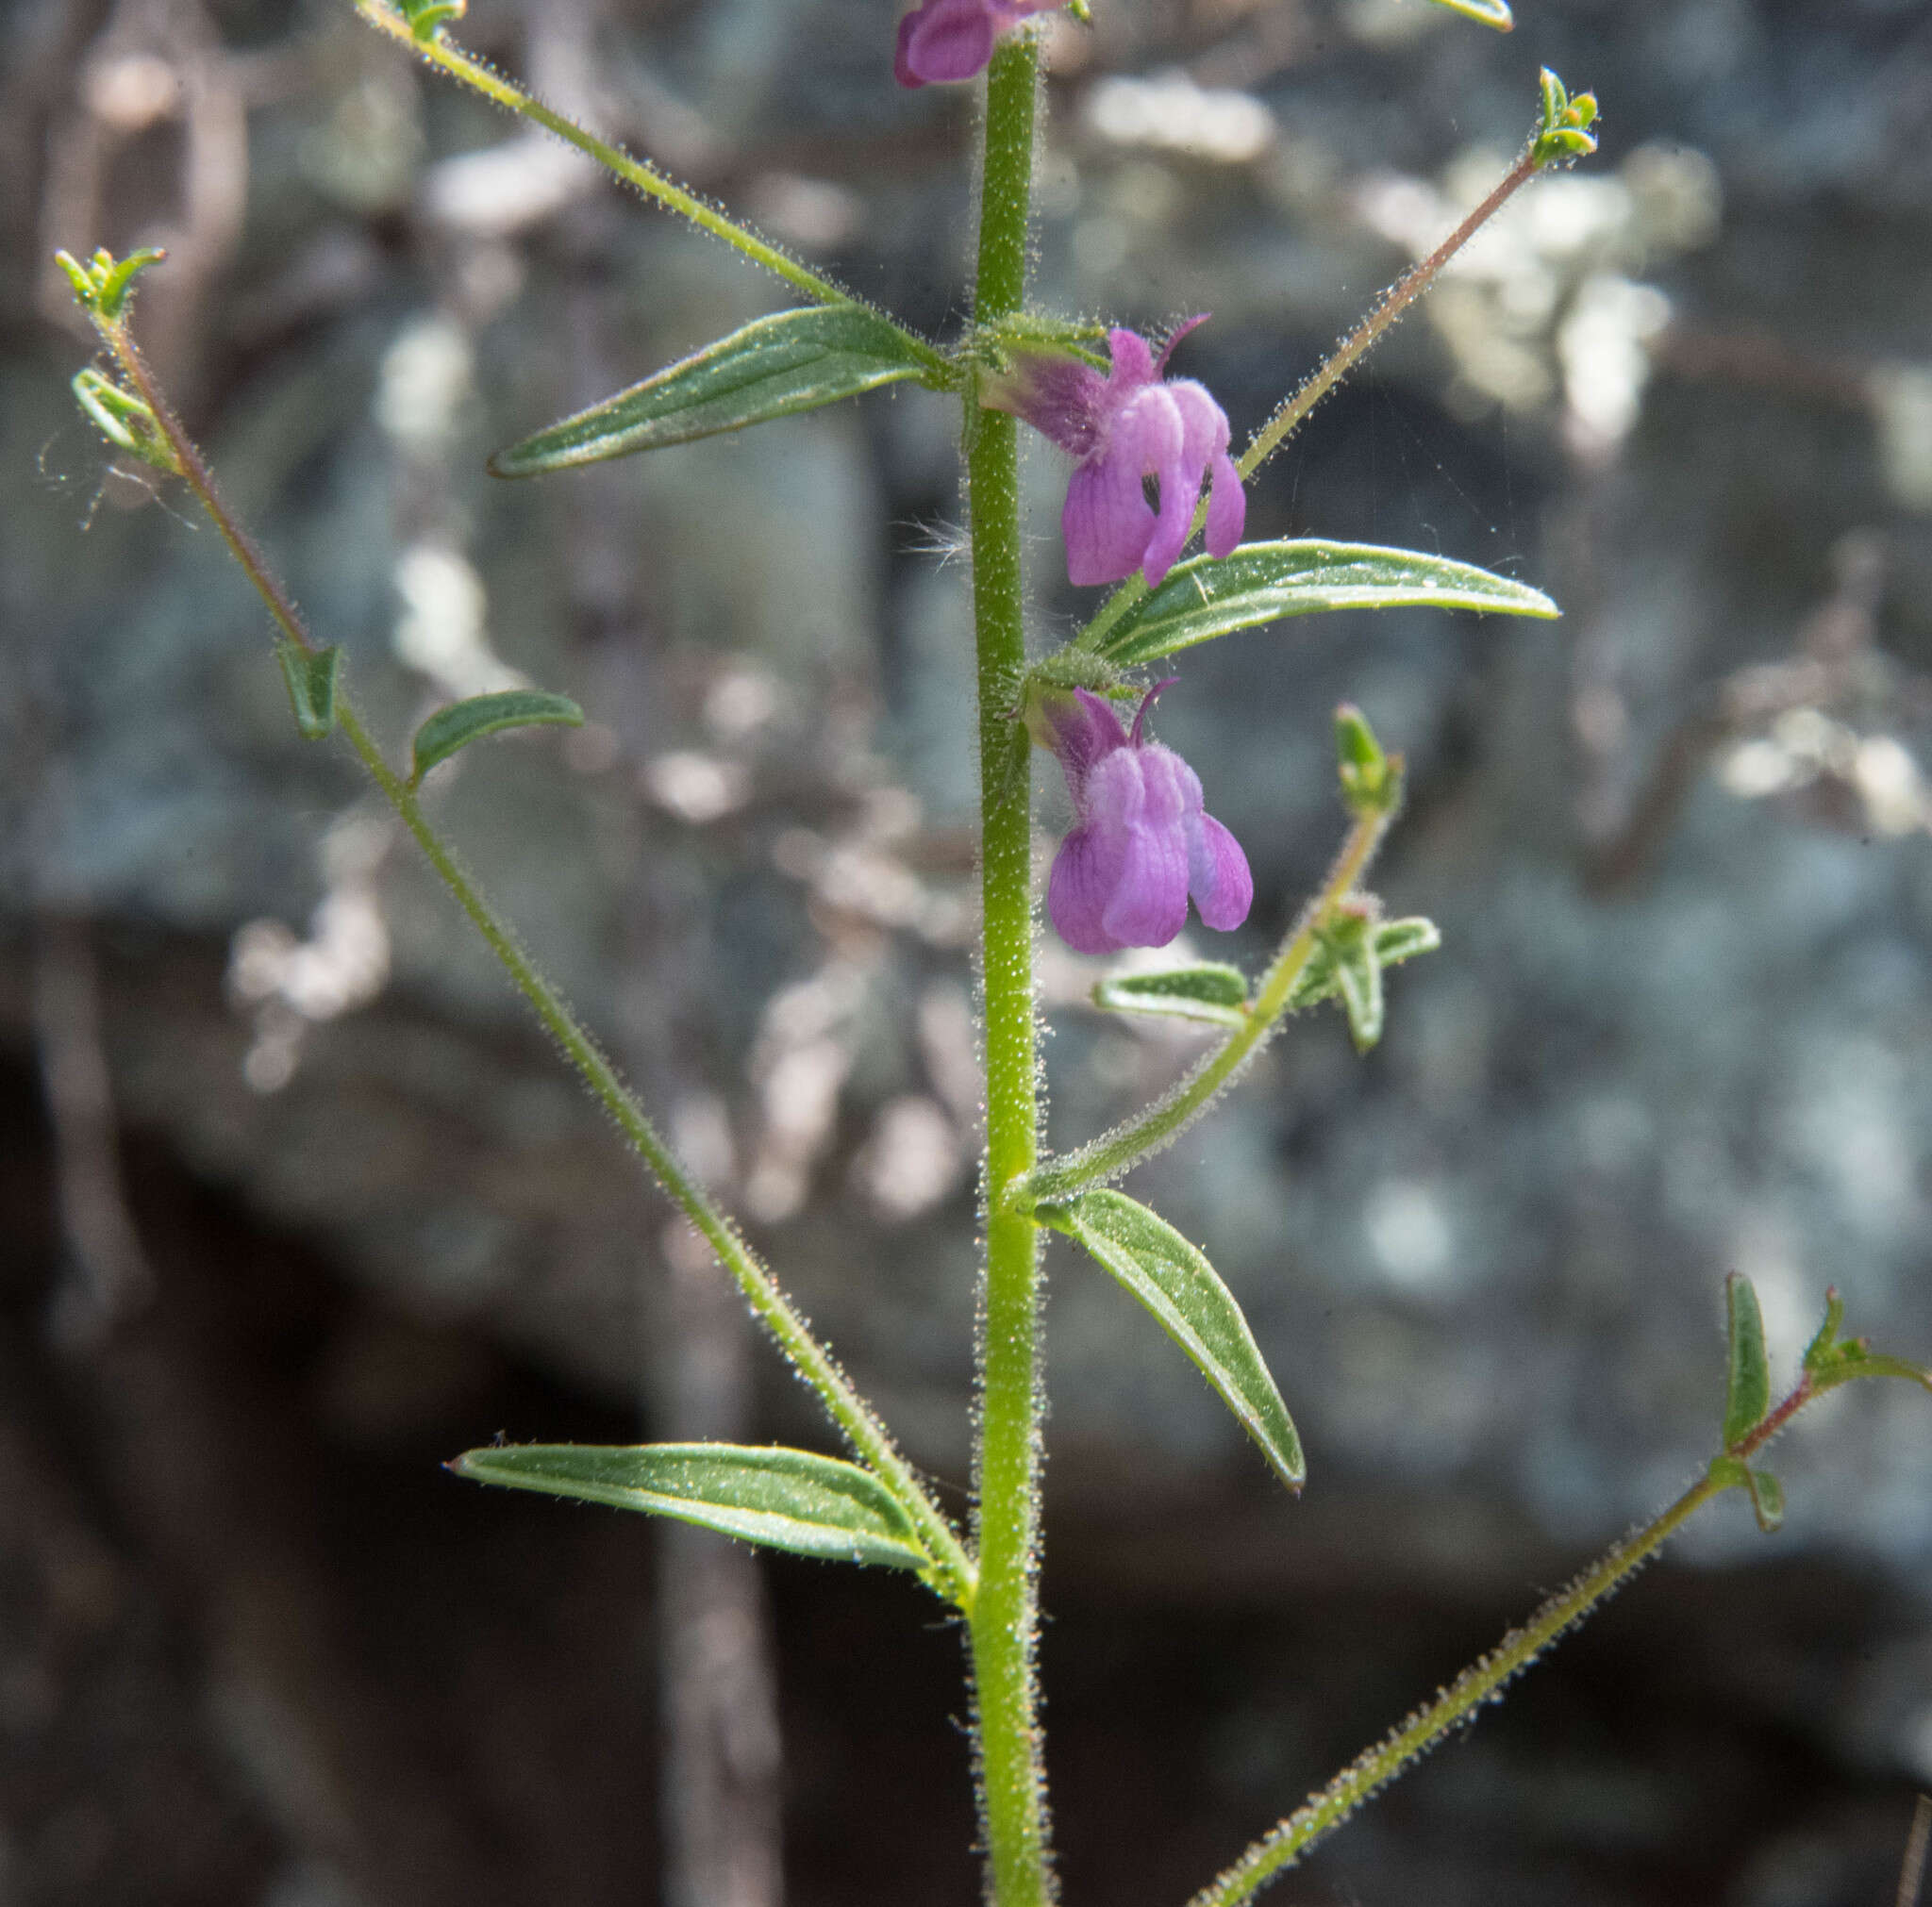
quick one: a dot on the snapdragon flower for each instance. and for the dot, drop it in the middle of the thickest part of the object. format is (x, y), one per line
(1125, 427)
(947, 40)
(1141, 844)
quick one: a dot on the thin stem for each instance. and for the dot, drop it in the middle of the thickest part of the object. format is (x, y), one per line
(1157, 1126)
(637, 173)
(953, 1569)
(1388, 308)
(1005, 1617)
(1459, 1703)
(1326, 1810)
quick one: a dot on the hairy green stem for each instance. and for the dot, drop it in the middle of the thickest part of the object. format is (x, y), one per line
(953, 1572)
(1005, 1615)
(1158, 1124)
(1463, 1700)
(1324, 1811)
(637, 173)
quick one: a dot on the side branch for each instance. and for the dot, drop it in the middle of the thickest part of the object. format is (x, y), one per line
(954, 1572)
(1483, 1681)
(1458, 1703)
(637, 173)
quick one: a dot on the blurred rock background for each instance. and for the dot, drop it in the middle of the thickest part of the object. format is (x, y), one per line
(297, 1204)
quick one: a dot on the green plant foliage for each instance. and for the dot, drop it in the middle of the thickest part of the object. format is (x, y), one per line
(774, 367)
(1370, 783)
(783, 1499)
(428, 18)
(311, 675)
(1210, 596)
(1563, 132)
(1766, 1500)
(1349, 942)
(1210, 993)
(103, 283)
(1183, 1291)
(1831, 1360)
(1747, 1371)
(463, 722)
(124, 418)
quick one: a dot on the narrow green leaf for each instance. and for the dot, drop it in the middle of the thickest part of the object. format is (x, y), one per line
(1747, 1371)
(786, 1500)
(790, 361)
(1175, 1283)
(311, 675)
(1855, 1362)
(1211, 993)
(463, 722)
(1210, 596)
(1483, 12)
(1766, 1500)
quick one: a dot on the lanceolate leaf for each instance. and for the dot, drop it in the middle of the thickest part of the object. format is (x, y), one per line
(1210, 992)
(790, 361)
(1175, 1283)
(786, 1500)
(1747, 1371)
(463, 722)
(1264, 582)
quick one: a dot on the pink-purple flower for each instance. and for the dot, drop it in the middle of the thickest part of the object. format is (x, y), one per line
(947, 40)
(1141, 844)
(1124, 427)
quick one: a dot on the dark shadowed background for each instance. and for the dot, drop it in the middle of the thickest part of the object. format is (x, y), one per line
(296, 1203)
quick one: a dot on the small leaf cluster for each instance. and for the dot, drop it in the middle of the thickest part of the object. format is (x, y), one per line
(103, 284)
(125, 419)
(1563, 132)
(1749, 1419)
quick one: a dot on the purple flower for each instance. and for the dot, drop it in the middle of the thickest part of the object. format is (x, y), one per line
(944, 40)
(1123, 427)
(1141, 844)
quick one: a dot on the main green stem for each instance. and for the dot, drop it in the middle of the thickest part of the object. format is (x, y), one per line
(1005, 1615)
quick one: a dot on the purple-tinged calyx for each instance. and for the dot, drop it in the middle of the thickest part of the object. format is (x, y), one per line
(1124, 425)
(1141, 844)
(940, 40)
